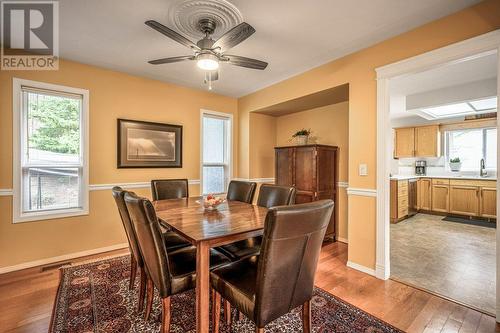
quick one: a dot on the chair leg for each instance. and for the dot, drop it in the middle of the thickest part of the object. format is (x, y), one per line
(165, 321)
(306, 317)
(216, 312)
(142, 289)
(227, 313)
(133, 272)
(149, 298)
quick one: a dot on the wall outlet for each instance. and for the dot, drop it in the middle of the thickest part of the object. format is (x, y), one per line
(363, 170)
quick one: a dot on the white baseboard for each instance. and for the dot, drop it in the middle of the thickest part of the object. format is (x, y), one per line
(343, 240)
(361, 268)
(46, 261)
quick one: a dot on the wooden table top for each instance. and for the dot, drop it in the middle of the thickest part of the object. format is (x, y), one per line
(190, 219)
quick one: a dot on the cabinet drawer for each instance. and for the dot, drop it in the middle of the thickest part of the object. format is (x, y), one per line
(402, 211)
(440, 181)
(473, 182)
(403, 191)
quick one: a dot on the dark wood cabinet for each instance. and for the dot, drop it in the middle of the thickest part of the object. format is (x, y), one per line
(313, 170)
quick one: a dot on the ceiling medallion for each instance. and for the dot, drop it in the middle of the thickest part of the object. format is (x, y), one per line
(185, 15)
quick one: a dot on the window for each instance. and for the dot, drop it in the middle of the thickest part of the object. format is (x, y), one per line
(471, 146)
(50, 151)
(215, 152)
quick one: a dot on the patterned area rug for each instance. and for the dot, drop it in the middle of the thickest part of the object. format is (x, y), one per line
(94, 297)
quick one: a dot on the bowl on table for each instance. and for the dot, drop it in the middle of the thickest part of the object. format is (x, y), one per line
(211, 202)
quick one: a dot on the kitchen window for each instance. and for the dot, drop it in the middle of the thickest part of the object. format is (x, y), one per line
(472, 145)
(216, 136)
(50, 151)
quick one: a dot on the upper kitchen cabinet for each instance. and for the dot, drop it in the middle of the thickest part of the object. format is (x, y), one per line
(427, 143)
(404, 142)
(422, 141)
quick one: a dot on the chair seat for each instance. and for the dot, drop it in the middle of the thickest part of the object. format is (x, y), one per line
(236, 282)
(242, 249)
(182, 263)
(174, 241)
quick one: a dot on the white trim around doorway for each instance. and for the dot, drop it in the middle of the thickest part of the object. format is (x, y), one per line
(479, 46)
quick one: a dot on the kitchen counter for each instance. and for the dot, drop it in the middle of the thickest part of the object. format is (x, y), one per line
(471, 177)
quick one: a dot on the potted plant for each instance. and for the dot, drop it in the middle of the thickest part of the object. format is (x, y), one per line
(301, 137)
(455, 164)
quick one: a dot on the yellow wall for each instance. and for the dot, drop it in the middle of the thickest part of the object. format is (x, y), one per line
(358, 70)
(112, 95)
(262, 143)
(330, 126)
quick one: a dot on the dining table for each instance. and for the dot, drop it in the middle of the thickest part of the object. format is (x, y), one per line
(231, 221)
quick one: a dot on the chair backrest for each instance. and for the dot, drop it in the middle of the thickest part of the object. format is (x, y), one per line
(241, 191)
(275, 195)
(163, 189)
(143, 216)
(119, 194)
(288, 258)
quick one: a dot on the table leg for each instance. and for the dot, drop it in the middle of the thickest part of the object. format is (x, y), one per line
(202, 287)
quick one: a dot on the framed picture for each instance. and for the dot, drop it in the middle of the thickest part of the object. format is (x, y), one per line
(144, 144)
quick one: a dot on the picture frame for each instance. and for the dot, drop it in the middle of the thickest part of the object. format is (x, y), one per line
(143, 144)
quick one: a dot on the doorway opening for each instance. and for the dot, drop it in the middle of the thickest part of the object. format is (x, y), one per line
(437, 179)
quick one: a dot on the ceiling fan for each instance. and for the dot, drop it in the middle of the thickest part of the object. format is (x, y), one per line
(209, 53)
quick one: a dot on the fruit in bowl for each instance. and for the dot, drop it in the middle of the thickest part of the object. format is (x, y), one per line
(210, 202)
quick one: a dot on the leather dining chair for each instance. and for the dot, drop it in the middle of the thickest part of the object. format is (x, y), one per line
(136, 257)
(241, 191)
(269, 196)
(171, 239)
(170, 272)
(281, 278)
(163, 189)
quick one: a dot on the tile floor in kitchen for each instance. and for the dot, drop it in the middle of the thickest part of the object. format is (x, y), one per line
(452, 259)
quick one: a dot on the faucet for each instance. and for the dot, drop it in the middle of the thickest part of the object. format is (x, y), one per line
(482, 169)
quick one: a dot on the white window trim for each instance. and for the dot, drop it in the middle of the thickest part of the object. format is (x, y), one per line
(229, 148)
(447, 148)
(17, 214)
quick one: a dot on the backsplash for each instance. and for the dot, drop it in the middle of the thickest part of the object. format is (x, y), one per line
(436, 166)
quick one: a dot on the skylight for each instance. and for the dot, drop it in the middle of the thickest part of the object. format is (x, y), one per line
(460, 109)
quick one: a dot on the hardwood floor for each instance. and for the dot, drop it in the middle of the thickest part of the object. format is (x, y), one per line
(26, 299)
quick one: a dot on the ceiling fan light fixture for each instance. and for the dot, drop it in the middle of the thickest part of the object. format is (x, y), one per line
(207, 61)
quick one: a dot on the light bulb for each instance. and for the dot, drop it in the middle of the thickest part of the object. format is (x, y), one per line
(207, 61)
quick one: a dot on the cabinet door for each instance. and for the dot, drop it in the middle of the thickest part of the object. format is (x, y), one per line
(284, 166)
(427, 141)
(404, 142)
(425, 194)
(464, 200)
(440, 198)
(305, 174)
(488, 198)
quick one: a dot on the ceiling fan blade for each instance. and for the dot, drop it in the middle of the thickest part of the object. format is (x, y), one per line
(234, 36)
(245, 62)
(171, 34)
(170, 60)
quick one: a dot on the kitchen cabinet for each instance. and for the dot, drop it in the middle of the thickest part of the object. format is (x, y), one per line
(440, 195)
(399, 200)
(404, 145)
(488, 201)
(464, 200)
(427, 143)
(424, 193)
(422, 141)
(312, 169)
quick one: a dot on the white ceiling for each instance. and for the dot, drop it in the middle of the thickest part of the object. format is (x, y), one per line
(440, 86)
(292, 35)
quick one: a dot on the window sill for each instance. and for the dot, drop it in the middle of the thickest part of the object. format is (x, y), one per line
(40, 216)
